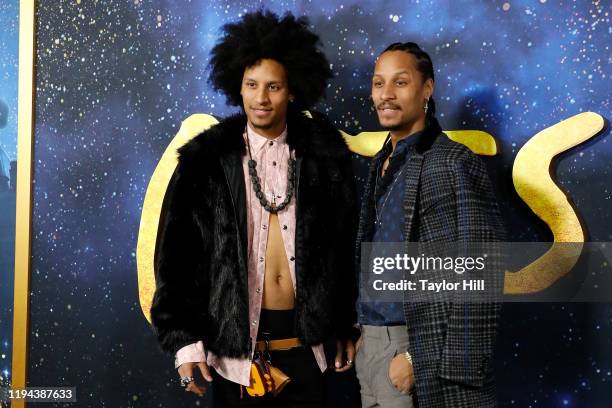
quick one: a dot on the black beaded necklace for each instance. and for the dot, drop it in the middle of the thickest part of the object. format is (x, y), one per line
(256, 182)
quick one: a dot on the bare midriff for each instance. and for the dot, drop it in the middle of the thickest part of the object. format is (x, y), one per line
(278, 286)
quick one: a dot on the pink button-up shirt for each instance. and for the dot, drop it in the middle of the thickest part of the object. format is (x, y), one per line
(272, 157)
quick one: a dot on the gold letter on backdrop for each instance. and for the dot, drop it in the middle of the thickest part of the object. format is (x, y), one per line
(534, 184)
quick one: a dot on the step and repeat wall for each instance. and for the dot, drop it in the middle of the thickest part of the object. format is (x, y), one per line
(115, 79)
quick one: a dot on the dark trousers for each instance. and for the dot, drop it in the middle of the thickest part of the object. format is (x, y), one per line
(306, 387)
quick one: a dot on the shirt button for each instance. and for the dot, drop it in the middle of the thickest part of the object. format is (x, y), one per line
(263, 226)
(271, 143)
(261, 259)
(292, 258)
(258, 290)
(284, 227)
(274, 163)
(254, 322)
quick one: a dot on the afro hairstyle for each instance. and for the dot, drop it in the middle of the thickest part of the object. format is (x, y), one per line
(263, 35)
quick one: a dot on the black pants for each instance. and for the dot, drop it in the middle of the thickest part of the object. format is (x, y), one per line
(306, 387)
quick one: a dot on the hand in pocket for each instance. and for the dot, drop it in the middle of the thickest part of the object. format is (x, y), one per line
(401, 373)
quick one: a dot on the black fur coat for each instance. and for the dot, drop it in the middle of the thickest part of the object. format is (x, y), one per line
(201, 260)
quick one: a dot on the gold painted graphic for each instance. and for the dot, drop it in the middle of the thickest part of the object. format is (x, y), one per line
(151, 208)
(530, 175)
(369, 143)
(534, 184)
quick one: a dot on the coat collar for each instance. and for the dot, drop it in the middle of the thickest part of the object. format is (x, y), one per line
(430, 138)
(309, 137)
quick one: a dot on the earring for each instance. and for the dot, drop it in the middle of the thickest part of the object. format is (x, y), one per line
(426, 105)
(291, 99)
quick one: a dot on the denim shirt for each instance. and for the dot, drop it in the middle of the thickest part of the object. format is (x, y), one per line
(389, 196)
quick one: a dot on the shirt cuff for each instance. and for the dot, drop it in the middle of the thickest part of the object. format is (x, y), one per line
(191, 353)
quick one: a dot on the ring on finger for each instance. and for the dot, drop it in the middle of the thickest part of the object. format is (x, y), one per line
(185, 381)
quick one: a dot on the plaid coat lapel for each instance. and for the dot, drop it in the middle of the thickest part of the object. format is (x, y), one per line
(413, 180)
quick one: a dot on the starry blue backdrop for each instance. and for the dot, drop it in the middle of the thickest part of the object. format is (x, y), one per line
(116, 78)
(9, 54)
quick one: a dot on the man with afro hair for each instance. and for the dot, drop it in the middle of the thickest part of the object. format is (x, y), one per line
(255, 251)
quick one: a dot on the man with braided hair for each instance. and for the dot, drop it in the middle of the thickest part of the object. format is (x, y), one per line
(423, 187)
(257, 240)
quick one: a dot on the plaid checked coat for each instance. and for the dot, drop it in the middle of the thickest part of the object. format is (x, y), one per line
(448, 198)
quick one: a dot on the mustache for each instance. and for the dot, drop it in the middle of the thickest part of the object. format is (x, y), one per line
(387, 105)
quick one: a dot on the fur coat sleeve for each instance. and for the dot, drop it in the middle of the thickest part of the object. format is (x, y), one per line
(177, 303)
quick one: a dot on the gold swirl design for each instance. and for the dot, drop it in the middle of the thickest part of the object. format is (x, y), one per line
(534, 184)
